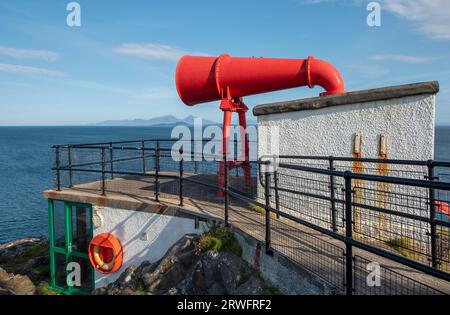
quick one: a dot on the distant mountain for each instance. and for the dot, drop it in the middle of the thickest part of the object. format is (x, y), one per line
(168, 120)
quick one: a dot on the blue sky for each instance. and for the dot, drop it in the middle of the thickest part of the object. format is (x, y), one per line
(120, 63)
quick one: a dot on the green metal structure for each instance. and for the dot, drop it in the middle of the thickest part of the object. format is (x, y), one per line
(71, 230)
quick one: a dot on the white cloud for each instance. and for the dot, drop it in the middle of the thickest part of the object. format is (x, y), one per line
(401, 58)
(152, 51)
(431, 16)
(29, 54)
(29, 70)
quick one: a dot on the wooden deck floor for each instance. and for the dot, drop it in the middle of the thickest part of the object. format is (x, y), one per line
(309, 249)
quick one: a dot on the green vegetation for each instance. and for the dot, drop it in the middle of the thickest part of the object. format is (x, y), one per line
(271, 289)
(27, 264)
(260, 210)
(31, 253)
(405, 246)
(140, 285)
(267, 288)
(244, 277)
(43, 289)
(443, 245)
(220, 240)
(40, 273)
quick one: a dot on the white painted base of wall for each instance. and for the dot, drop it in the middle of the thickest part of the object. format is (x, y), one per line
(144, 236)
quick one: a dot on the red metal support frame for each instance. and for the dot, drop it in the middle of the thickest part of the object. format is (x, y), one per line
(230, 106)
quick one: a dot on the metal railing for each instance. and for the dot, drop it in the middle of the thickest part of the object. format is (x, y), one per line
(295, 191)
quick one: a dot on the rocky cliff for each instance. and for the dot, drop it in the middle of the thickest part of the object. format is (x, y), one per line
(24, 267)
(197, 265)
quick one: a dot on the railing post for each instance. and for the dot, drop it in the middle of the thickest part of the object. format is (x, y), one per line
(348, 233)
(332, 196)
(226, 195)
(267, 195)
(58, 169)
(277, 196)
(194, 156)
(143, 156)
(157, 172)
(111, 163)
(69, 162)
(181, 177)
(432, 201)
(103, 171)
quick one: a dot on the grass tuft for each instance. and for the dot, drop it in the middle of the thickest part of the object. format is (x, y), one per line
(220, 240)
(44, 289)
(405, 246)
(260, 210)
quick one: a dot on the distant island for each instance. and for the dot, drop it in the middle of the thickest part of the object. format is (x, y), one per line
(168, 120)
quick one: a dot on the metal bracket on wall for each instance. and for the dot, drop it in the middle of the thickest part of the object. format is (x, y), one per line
(357, 143)
(383, 145)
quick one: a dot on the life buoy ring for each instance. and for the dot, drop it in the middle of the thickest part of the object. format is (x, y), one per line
(105, 253)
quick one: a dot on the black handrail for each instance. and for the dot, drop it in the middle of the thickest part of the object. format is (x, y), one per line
(349, 202)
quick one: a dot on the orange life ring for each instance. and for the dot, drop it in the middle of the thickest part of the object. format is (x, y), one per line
(105, 253)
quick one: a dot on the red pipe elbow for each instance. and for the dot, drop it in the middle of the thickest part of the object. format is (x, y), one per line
(324, 74)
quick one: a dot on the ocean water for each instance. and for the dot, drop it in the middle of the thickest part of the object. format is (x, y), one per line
(25, 170)
(26, 160)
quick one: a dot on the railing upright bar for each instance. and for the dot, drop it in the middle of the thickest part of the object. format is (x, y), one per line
(58, 169)
(103, 152)
(69, 162)
(332, 195)
(432, 200)
(226, 186)
(277, 195)
(143, 156)
(111, 162)
(267, 225)
(181, 178)
(157, 171)
(348, 234)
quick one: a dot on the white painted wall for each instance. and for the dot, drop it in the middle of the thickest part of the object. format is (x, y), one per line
(129, 226)
(409, 123)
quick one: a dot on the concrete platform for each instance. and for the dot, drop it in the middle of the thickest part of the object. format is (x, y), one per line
(308, 249)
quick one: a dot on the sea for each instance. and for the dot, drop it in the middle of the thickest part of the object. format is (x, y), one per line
(26, 161)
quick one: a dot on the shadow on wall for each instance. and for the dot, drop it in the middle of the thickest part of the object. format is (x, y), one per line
(144, 236)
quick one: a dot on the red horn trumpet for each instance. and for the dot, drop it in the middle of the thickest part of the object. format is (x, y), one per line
(229, 79)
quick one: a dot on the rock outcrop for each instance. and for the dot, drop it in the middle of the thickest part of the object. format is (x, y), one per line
(188, 269)
(11, 284)
(23, 263)
(14, 249)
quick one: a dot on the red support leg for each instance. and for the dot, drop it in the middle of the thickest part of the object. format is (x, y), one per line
(228, 107)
